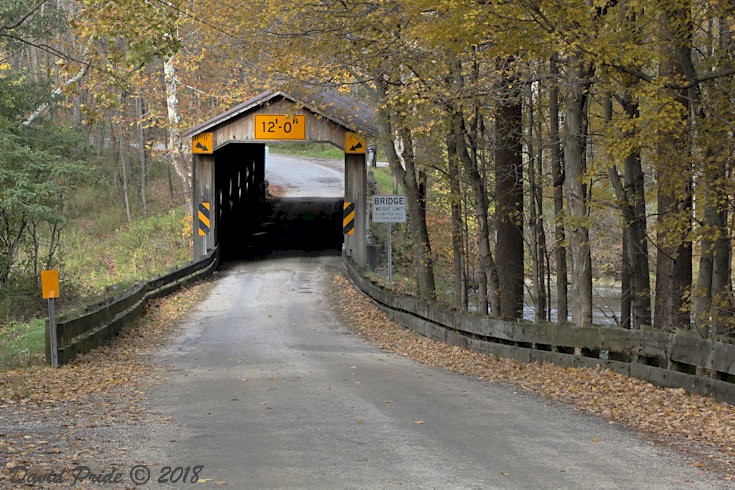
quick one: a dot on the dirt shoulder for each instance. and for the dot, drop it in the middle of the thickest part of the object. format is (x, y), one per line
(697, 426)
(83, 416)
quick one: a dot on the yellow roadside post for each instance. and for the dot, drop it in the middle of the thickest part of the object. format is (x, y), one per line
(50, 290)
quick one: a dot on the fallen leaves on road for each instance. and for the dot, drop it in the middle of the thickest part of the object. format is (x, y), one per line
(276, 190)
(51, 419)
(690, 423)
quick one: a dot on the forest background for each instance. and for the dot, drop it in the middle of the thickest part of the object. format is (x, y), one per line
(542, 144)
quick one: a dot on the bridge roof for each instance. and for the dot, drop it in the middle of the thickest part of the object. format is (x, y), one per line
(340, 109)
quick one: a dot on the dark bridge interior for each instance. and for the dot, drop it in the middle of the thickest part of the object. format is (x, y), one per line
(251, 224)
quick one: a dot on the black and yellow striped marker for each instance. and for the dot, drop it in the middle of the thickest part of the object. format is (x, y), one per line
(204, 219)
(348, 218)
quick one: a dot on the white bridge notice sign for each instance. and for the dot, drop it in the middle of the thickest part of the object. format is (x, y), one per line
(389, 209)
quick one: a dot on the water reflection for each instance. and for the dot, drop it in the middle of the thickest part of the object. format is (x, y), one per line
(605, 306)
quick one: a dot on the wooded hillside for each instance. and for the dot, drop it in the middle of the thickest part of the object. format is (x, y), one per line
(541, 144)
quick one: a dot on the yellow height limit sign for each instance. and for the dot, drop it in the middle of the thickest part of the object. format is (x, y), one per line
(280, 127)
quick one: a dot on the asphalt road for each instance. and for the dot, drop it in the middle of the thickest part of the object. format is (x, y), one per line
(304, 176)
(266, 389)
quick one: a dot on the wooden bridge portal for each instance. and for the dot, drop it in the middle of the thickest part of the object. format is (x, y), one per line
(229, 157)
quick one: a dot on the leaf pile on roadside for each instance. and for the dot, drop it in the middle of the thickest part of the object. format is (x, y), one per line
(695, 424)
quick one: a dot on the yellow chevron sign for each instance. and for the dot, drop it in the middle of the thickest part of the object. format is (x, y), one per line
(202, 143)
(355, 144)
(204, 222)
(348, 218)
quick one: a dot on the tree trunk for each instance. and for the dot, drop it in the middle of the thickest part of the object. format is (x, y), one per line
(713, 279)
(488, 273)
(638, 240)
(557, 175)
(509, 206)
(56, 94)
(141, 156)
(722, 261)
(412, 183)
(543, 250)
(575, 145)
(124, 157)
(538, 311)
(455, 196)
(673, 262)
(178, 156)
(721, 294)
(712, 298)
(417, 179)
(703, 294)
(11, 236)
(674, 176)
(634, 200)
(469, 270)
(535, 212)
(635, 291)
(626, 290)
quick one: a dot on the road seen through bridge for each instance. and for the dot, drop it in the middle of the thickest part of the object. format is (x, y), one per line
(267, 389)
(306, 176)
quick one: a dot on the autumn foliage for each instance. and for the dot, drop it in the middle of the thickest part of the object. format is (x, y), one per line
(560, 142)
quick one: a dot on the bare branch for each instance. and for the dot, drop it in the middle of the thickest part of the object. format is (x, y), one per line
(675, 86)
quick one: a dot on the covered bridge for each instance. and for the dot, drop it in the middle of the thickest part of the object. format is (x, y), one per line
(229, 154)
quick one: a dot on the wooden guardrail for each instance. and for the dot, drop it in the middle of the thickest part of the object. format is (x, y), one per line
(96, 324)
(666, 359)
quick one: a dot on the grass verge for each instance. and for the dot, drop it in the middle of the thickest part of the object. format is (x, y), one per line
(96, 264)
(22, 344)
(130, 253)
(317, 150)
(384, 179)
